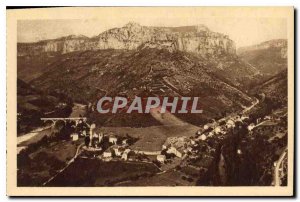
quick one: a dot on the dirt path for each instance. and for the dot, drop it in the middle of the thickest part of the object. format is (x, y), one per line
(67, 165)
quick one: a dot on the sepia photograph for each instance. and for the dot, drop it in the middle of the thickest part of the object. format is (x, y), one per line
(150, 101)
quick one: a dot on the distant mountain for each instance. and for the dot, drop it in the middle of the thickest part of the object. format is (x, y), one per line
(139, 60)
(87, 75)
(196, 39)
(275, 88)
(215, 49)
(269, 57)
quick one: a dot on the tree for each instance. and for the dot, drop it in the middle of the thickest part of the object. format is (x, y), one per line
(87, 141)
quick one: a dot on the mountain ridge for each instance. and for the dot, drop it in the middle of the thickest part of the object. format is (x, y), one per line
(269, 57)
(197, 39)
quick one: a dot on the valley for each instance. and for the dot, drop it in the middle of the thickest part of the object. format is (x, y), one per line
(236, 141)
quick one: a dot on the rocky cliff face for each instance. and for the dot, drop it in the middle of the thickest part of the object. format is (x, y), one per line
(272, 44)
(269, 57)
(195, 39)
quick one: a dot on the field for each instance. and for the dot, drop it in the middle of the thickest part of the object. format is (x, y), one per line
(169, 178)
(38, 166)
(94, 172)
(152, 138)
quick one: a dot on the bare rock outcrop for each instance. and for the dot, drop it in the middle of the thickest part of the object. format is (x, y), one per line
(195, 39)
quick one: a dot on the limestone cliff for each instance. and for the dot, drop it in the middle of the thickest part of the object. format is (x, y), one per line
(195, 39)
(269, 57)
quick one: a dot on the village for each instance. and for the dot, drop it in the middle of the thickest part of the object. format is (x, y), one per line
(187, 149)
(195, 152)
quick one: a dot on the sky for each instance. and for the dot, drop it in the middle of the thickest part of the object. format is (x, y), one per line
(244, 31)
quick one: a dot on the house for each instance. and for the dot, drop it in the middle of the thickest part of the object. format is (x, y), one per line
(251, 126)
(244, 117)
(190, 149)
(164, 147)
(258, 120)
(177, 151)
(161, 158)
(239, 151)
(193, 156)
(115, 149)
(176, 145)
(205, 127)
(83, 133)
(113, 139)
(118, 150)
(131, 156)
(125, 141)
(107, 154)
(230, 123)
(125, 154)
(203, 137)
(100, 137)
(217, 130)
(75, 136)
(267, 118)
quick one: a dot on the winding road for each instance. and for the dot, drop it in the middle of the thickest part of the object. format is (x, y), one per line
(277, 177)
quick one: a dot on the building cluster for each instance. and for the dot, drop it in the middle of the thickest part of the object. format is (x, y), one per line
(179, 147)
(183, 146)
(176, 146)
(114, 147)
(81, 129)
(272, 123)
(220, 127)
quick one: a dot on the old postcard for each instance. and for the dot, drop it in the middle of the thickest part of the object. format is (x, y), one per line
(150, 101)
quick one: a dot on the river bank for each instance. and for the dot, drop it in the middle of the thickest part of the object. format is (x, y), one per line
(37, 134)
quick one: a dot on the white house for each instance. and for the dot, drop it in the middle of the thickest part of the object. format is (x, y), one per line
(113, 139)
(164, 147)
(193, 142)
(125, 154)
(176, 145)
(100, 137)
(217, 130)
(251, 126)
(203, 137)
(244, 117)
(267, 118)
(124, 142)
(230, 123)
(83, 133)
(107, 154)
(176, 151)
(161, 158)
(206, 127)
(239, 151)
(74, 136)
(190, 149)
